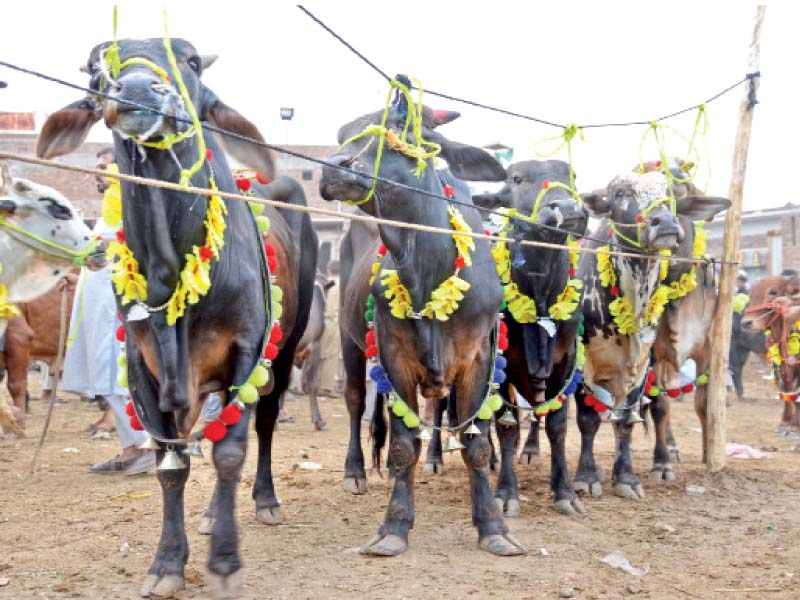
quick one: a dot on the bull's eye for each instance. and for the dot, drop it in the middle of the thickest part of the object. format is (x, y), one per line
(517, 180)
(772, 292)
(620, 193)
(194, 64)
(56, 210)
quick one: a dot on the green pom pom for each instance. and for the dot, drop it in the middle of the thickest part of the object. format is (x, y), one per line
(702, 380)
(485, 413)
(370, 301)
(248, 393)
(495, 402)
(400, 408)
(256, 207)
(369, 315)
(654, 391)
(504, 305)
(263, 224)
(122, 361)
(411, 420)
(277, 293)
(277, 311)
(259, 376)
(581, 329)
(122, 378)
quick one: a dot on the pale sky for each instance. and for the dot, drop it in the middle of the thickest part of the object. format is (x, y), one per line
(560, 61)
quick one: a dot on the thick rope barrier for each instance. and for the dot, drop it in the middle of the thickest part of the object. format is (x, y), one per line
(323, 211)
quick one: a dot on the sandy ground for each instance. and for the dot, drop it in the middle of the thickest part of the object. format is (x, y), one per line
(65, 533)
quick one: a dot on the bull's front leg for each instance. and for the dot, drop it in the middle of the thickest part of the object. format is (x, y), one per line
(625, 482)
(226, 576)
(567, 501)
(662, 467)
(355, 390)
(589, 476)
(404, 449)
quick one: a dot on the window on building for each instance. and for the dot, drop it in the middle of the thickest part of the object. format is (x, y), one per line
(308, 175)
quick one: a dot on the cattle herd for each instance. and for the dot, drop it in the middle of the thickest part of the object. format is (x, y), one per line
(215, 296)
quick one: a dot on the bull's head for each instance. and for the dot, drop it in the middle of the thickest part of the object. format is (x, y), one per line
(529, 191)
(640, 211)
(768, 296)
(145, 77)
(359, 154)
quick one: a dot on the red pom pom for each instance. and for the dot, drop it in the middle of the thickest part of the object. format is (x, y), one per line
(674, 392)
(275, 334)
(647, 387)
(449, 191)
(614, 290)
(231, 414)
(610, 233)
(502, 343)
(658, 164)
(502, 328)
(487, 232)
(269, 248)
(272, 264)
(129, 409)
(459, 262)
(136, 424)
(382, 250)
(370, 337)
(206, 253)
(243, 183)
(651, 377)
(688, 388)
(120, 236)
(589, 400)
(572, 271)
(261, 179)
(639, 218)
(600, 407)
(271, 351)
(120, 334)
(215, 431)
(209, 154)
(545, 184)
(119, 316)
(371, 351)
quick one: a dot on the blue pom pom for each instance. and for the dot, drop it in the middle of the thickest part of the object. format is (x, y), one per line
(570, 389)
(377, 373)
(500, 362)
(384, 387)
(577, 377)
(499, 376)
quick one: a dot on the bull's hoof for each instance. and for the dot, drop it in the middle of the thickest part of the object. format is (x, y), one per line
(320, 425)
(161, 587)
(632, 492)
(594, 489)
(434, 468)
(206, 525)
(388, 545)
(502, 545)
(510, 508)
(529, 458)
(270, 515)
(355, 485)
(662, 473)
(571, 508)
(223, 587)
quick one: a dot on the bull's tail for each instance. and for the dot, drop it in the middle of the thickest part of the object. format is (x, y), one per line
(378, 429)
(643, 413)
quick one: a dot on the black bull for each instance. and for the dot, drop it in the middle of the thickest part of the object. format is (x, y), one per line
(218, 342)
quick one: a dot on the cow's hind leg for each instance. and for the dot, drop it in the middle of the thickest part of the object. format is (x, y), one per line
(355, 390)
(662, 468)
(434, 462)
(589, 476)
(311, 385)
(226, 577)
(506, 494)
(624, 480)
(268, 508)
(567, 501)
(530, 449)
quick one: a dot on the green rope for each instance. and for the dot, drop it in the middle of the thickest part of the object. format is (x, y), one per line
(513, 213)
(565, 138)
(78, 257)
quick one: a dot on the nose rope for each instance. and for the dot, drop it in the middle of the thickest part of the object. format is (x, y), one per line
(78, 257)
(640, 221)
(546, 187)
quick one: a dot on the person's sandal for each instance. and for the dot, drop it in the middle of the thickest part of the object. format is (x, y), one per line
(108, 467)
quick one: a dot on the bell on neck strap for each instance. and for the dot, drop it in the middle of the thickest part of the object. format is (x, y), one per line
(452, 444)
(196, 450)
(424, 434)
(507, 419)
(150, 444)
(171, 460)
(634, 418)
(616, 416)
(518, 259)
(472, 429)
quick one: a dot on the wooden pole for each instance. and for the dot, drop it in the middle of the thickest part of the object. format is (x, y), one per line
(721, 328)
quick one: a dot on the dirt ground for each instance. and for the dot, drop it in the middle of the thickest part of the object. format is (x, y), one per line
(65, 533)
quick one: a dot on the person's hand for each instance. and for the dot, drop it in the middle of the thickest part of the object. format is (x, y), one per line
(69, 282)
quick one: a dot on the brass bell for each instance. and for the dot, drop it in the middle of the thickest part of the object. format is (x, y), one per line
(452, 444)
(616, 415)
(645, 400)
(196, 450)
(472, 429)
(507, 419)
(634, 418)
(532, 416)
(423, 434)
(150, 444)
(171, 460)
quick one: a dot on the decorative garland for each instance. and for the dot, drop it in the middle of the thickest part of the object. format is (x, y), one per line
(777, 358)
(523, 307)
(445, 298)
(653, 391)
(7, 310)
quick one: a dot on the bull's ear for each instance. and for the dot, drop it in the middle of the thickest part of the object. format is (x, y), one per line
(596, 202)
(65, 130)
(493, 200)
(701, 207)
(7, 207)
(468, 162)
(254, 156)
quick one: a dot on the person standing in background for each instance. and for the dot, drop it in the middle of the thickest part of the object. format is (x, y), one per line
(330, 382)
